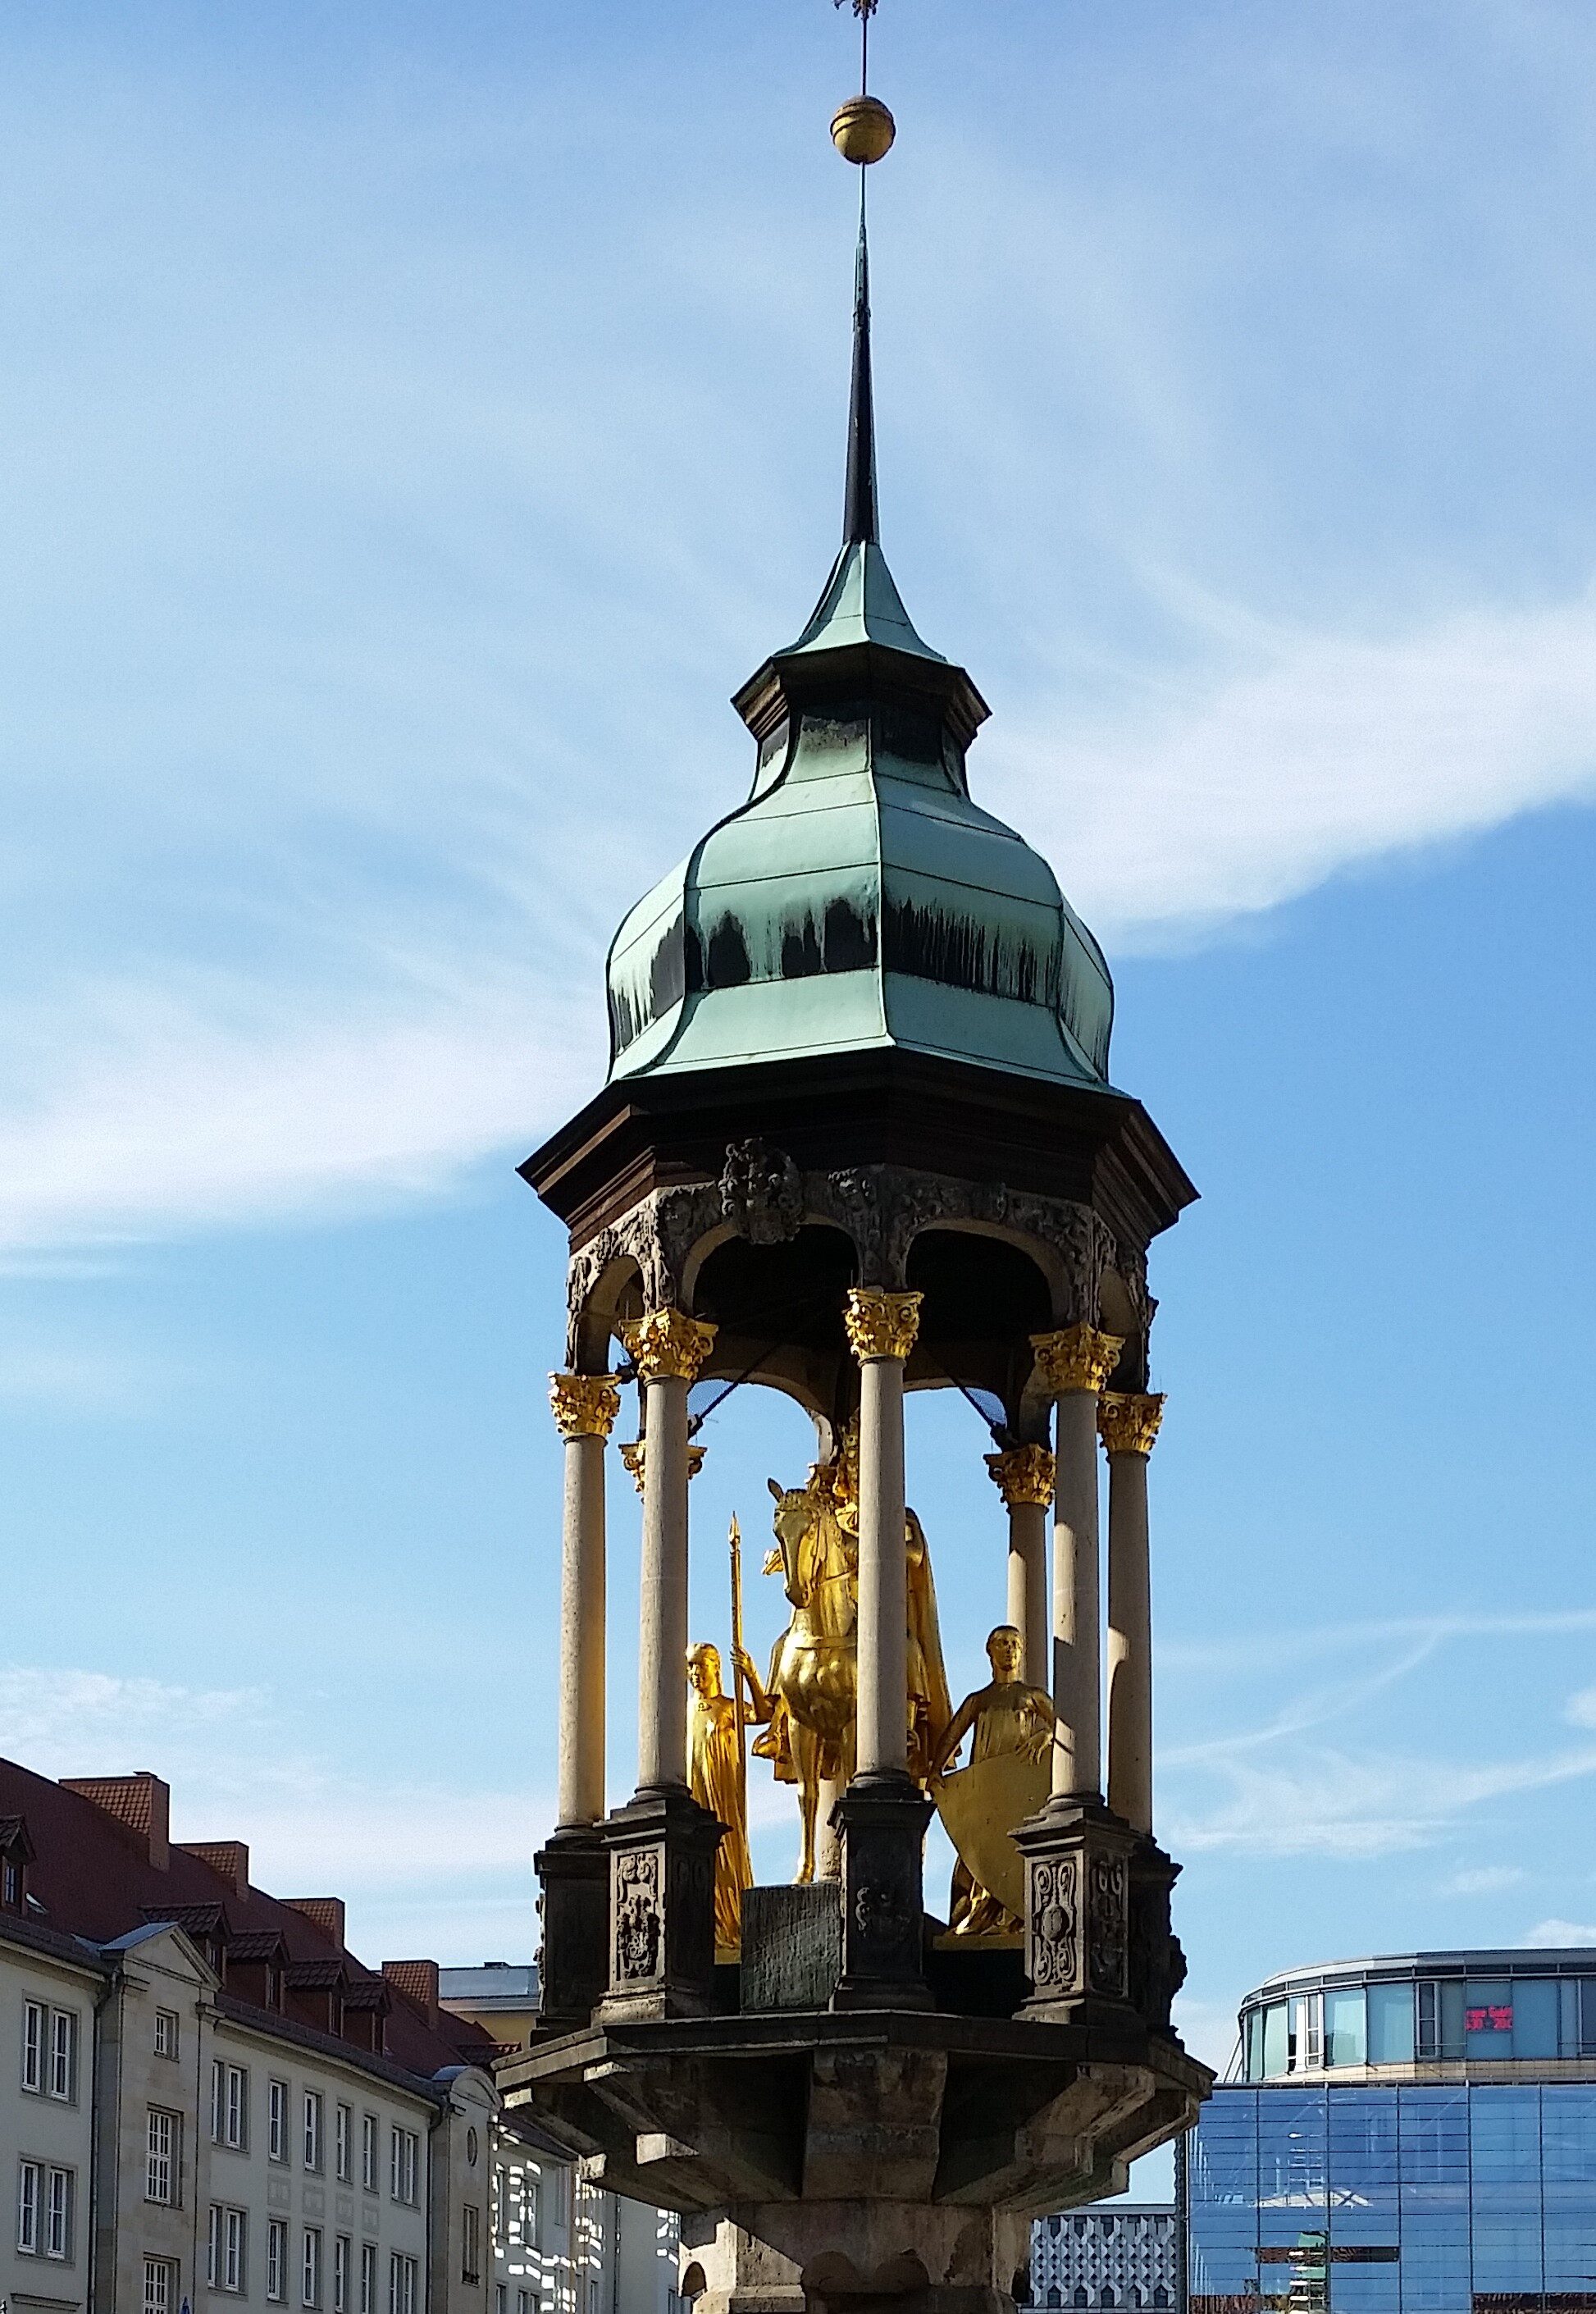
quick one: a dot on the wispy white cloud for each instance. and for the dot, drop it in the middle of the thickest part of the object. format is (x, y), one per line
(1318, 752)
(1550, 1935)
(1482, 1880)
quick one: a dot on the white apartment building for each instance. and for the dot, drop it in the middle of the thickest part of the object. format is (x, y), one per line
(206, 2102)
(559, 2246)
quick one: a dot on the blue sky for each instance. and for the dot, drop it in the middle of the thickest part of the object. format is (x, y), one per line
(417, 423)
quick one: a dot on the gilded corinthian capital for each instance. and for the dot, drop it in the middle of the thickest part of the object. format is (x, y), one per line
(1129, 1419)
(1024, 1474)
(667, 1345)
(634, 1458)
(1079, 1358)
(880, 1324)
(585, 1405)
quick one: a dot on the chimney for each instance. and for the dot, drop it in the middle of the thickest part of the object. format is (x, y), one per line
(323, 1912)
(229, 1859)
(416, 1983)
(143, 1803)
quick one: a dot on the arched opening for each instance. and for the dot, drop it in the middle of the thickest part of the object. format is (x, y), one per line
(984, 1298)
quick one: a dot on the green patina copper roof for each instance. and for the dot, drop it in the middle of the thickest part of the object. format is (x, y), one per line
(859, 898)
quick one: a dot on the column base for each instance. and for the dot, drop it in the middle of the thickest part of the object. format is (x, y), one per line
(855, 2258)
(572, 1970)
(881, 1821)
(661, 1926)
(1077, 1925)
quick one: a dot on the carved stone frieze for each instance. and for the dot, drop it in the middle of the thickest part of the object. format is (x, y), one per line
(1108, 1924)
(882, 1209)
(636, 1911)
(1052, 1942)
(762, 1193)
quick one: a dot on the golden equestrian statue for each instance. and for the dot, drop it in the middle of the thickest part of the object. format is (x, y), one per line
(715, 1778)
(1006, 1782)
(809, 1703)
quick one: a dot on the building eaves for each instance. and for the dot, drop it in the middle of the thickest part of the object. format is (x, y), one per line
(34, 1936)
(276, 2027)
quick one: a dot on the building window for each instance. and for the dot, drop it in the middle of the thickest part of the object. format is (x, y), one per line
(28, 2186)
(13, 1886)
(368, 2278)
(229, 2105)
(57, 2214)
(343, 2145)
(471, 2243)
(562, 2188)
(277, 2257)
(341, 2275)
(402, 2284)
(1427, 2033)
(64, 2054)
(225, 2266)
(532, 2210)
(312, 2132)
(501, 2207)
(1161, 2296)
(368, 2151)
(525, 2303)
(310, 2270)
(401, 2166)
(502, 2299)
(166, 2032)
(159, 2285)
(277, 2121)
(33, 2031)
(163, 2143)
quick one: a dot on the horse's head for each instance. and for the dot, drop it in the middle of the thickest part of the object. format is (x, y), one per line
(793, 1520)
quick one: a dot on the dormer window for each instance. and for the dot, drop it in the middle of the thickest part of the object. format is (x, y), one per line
(11, 1885)
(16, 1853)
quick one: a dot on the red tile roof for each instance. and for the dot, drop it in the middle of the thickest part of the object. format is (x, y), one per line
(93, 1875)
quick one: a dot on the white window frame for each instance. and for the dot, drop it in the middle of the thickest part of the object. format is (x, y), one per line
(369, 2277)
(310, 2267)
(501, 2298)
(277, 2121)
(58, 2215)
(163, 2155)
(35, 2034)
(166, 2033)
(370, 2153)
(470, 2241)
(159, 2285)
(402, 2165)
(343, 2143)
(235, 2111)
(402, 2283)
(340, 2273)
(235, 2251)
(276, 2258)
(63, 2083)
(29, 2176)
(311, 2144)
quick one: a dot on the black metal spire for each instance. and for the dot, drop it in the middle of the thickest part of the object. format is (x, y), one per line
(861, 518)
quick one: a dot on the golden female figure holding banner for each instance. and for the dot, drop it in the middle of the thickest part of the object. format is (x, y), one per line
(718, 1781)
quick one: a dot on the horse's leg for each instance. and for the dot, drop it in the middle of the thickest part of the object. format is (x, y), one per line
(805, 1759)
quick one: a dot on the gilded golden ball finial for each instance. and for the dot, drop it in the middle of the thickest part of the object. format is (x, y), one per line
(862, 130)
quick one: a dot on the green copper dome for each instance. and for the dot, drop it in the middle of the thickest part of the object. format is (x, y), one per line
(859, 898)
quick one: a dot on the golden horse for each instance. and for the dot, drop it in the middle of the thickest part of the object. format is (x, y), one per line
(811, 1699)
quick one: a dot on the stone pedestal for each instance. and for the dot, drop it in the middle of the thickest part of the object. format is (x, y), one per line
(855, 2258)
(661, 1850)
(1078, 1913)
(881, 1820)
(1156, 1963)
(574, 1871)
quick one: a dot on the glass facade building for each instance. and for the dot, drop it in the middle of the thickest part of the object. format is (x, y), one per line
(1410, 2136)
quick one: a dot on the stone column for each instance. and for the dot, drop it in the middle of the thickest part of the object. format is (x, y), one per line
(1074, 1364)
(585, 1408)
(668, 1349)
(1129, 1423)
(573, 1867)
(1024, 1477)
(881, 1330)
(881, 1818)
(661, 1943)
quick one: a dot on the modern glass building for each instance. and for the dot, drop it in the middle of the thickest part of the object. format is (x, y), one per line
(1407, 2134)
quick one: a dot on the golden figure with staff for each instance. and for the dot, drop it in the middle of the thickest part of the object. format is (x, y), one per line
(718, 1763)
